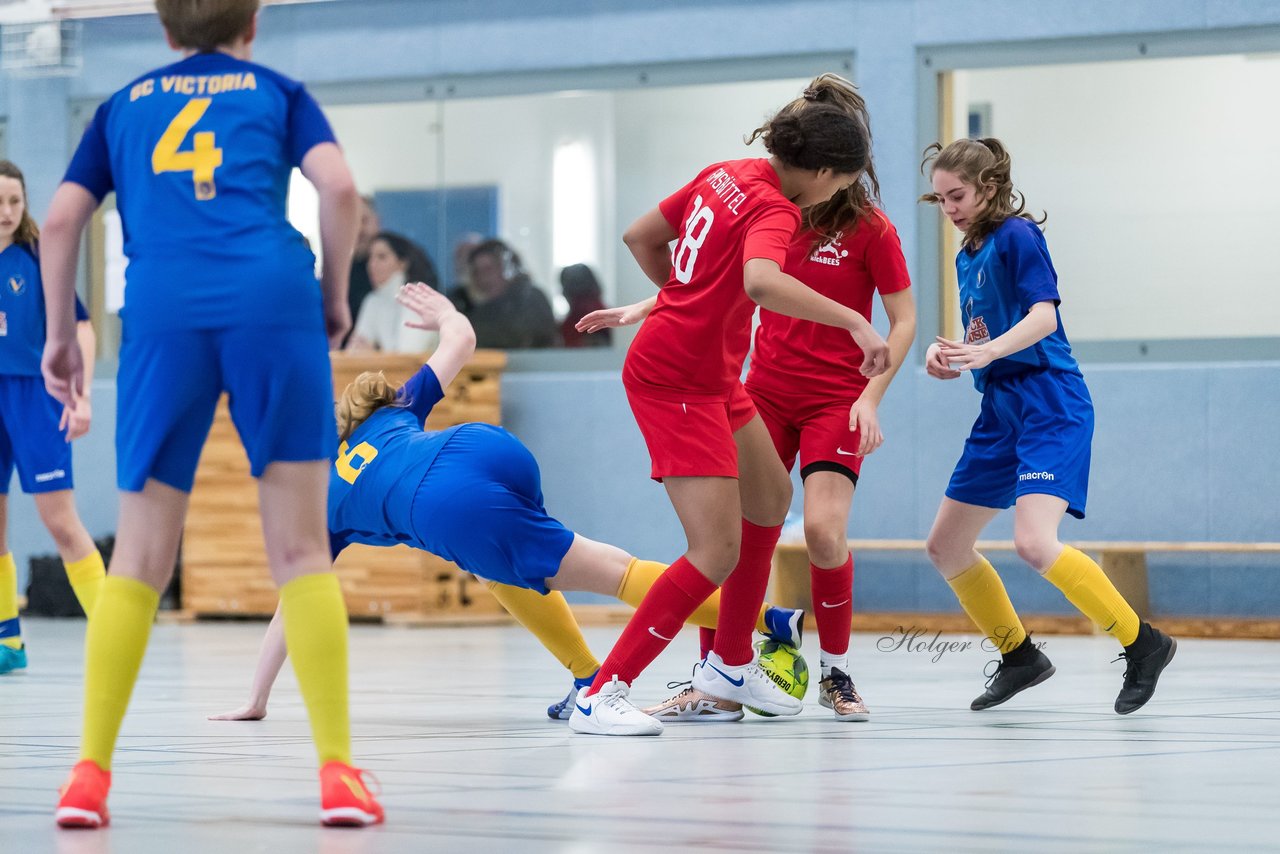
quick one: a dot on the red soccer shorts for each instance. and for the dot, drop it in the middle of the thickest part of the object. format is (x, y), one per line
(692, 438)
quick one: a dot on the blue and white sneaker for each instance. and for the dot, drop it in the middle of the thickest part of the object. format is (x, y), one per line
(609, 711)
(560, 711)
(12, 659)
(746, 684)
(785, 625)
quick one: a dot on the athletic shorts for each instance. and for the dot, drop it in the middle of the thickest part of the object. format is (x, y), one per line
(480, 506)
(694, 438)
(279, 387)
(30, 438)
(1032, 437)
(815, 429)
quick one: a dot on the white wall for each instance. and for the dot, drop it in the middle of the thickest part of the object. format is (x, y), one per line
(1159, 178)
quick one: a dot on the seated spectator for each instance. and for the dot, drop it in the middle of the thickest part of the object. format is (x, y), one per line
(393, 261)
(506, 309)
(583, 293)
(462, 261)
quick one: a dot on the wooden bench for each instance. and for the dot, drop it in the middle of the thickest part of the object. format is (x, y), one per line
(1125, 563)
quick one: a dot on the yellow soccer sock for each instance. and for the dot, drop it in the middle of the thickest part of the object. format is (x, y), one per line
(550, 620)
(1087, 587)
(86, 576)
(642, 574)
(983, 597)
(9, 600)
(315, 633)
(114, 645)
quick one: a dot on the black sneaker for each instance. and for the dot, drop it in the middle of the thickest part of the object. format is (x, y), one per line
(1010, 679)
(1142, 672)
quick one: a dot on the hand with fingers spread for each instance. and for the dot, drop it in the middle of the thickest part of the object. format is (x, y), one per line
(965, 357)
(936, 366)
(864, 420)
(431, 306)
(611, 318)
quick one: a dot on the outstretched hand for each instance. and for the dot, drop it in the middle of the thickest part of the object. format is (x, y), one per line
(431, 306)
(611, 318)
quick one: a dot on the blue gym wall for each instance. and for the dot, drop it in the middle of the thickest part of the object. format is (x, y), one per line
(1183, 451)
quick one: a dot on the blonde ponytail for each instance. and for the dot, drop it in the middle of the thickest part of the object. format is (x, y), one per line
(362, 397)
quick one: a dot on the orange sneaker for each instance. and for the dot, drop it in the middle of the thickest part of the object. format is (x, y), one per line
(83, 801)
(345, 800)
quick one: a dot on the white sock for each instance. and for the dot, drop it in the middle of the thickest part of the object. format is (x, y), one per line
(828, 661)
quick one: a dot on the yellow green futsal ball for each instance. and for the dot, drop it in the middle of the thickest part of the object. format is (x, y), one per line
(785, 665)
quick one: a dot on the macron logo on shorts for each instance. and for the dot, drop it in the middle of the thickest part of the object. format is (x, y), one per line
(45, 477)
(1036, 475)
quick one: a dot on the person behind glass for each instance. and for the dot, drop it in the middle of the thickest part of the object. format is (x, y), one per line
(393, 261)
(507, 310)
(582, 290)
(370, 225)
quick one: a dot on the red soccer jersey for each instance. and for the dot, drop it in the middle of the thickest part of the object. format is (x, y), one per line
(793, 354)
(692, 345)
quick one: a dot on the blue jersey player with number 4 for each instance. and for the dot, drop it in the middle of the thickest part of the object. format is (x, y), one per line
(220, 296)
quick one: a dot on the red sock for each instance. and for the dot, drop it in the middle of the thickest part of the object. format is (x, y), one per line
(833, 605)
(743, 593)
(706, 641)
(662, 612)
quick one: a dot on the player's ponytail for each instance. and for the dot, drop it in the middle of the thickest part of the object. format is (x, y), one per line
(27, 232)
(362, 397)
(822, 136)
(846, 210)
(985, 165)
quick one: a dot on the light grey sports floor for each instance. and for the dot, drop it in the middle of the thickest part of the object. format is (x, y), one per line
(452, 722)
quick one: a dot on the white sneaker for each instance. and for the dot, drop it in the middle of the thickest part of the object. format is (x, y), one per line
(746, 684)
(609, 712)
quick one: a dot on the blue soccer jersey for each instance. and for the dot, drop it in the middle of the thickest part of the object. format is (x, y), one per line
(199, 154)
(22, 317)
(376, 476)
(999, 282)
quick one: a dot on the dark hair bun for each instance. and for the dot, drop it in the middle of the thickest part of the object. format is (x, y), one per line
(823, 136)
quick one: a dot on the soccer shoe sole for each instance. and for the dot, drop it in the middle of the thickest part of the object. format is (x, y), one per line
(1053, 668)
(1173, 648)
(348, 817)
(75, 817)
(679, 716)
(590, 727)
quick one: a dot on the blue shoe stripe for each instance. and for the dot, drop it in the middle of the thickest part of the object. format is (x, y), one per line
(10, 628)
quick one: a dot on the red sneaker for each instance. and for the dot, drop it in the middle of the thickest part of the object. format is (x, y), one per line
(83, 801)
(345, 800)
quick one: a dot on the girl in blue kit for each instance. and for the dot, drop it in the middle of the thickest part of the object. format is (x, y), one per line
(35, 430)
(471, 494)
(1030, 445)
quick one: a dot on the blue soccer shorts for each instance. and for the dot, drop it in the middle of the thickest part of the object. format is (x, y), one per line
(481, 507)
(280, 394)
(30, 438)
(1032, 437)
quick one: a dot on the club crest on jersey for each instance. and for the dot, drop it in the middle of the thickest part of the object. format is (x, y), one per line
(830, 253)
(977, 332)
(17, 285)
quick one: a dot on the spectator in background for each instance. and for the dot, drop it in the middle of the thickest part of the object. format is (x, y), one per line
(370, 225)
(462, 262)
(583, 293)
(506, 309)
(393, 260)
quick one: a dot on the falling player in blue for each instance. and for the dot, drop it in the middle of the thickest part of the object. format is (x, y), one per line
(472, 494)
(1030, 445)
(220, 296)
(35, 431)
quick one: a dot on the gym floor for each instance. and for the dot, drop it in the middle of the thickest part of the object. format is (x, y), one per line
(452, 722)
